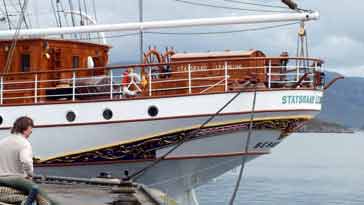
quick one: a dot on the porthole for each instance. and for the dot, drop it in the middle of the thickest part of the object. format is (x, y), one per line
(107, 114)
(1, 120)
(71, 116)
(153, 111)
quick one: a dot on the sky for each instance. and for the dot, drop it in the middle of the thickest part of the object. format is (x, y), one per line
(337, 37)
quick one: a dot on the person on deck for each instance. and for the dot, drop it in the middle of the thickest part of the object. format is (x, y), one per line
(16, 159)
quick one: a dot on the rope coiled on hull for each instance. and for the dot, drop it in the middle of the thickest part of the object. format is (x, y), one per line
(13, 196)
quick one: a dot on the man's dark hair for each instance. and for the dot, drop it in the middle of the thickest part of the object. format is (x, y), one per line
(21, 124)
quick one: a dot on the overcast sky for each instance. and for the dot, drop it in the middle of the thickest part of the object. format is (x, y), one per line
(338, 37)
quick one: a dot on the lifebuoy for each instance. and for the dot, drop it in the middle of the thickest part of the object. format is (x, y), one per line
(130, 79)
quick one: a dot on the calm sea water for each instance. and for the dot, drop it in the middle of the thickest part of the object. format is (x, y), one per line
(304, 169)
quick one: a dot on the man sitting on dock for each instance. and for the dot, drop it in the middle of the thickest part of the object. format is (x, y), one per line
(16, 160)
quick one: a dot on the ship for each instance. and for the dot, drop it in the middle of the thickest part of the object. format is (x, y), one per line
(177, 119)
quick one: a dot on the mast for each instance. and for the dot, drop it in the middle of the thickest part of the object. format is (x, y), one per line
(143, 26)
(89, 20)
(23, 14)
(7, 14)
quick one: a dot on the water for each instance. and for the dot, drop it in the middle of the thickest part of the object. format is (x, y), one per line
(304, 169)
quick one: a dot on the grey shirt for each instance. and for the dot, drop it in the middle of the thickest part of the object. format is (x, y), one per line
(16, 156)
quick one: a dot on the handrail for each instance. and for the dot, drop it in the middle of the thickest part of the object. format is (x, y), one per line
(111, 84)
(189, 79)
(1, 89)
(161, 64)
(36, 88)
(179, 72)
(150, 81)
(226, 75)
(73, 85)
(215, 76)
(269, 74)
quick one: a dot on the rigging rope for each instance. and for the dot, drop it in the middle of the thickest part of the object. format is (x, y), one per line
(72, 16)
(59, 9)
(227, 7)
(246, 148)
(7, 15)
(54, 12)
(64, 13)
(85, 8)
(139, 173)
(22, 13)
(94, 9)
(80, 11)
(86, 14)
(198, 33)
(222, 32)
(226, 163)
(82, 23)
(15, 38)
(256, 4)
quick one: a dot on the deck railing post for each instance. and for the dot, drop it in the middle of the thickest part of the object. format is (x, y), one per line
(189, 79)
(298, 73)
(73, 86)
(313, 73)
(269, 73)
(150, 81)
(36, 88)
(2, 90)
(226, 76)
(111, 84)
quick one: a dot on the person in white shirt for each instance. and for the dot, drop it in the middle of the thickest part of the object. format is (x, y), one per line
(16, 159)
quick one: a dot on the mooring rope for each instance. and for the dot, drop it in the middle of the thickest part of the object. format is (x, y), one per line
(13, 196)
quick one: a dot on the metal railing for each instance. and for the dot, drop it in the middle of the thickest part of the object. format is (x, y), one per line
(196, 79)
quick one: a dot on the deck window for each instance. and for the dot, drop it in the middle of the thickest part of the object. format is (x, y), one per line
(75, 61)
(25, 62)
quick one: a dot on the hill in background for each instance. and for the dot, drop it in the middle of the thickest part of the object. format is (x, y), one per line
(343, 103)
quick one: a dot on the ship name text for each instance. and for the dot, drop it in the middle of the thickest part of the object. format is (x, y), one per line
(301, 99)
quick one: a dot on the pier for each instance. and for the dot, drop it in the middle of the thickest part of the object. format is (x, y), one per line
(96, 191)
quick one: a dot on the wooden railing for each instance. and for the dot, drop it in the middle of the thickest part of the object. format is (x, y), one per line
(184, 78)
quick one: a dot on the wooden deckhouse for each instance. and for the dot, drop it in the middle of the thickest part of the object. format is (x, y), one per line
(47, 58)
(210, 71)
(51, 54)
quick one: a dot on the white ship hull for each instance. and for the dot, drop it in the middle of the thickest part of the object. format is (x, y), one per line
(68, 148)
(191, 165)
(55, 136)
